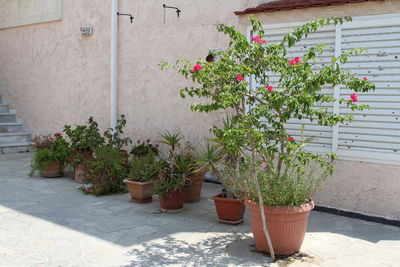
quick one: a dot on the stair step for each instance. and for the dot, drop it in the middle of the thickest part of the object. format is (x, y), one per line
(14, 138)
(11, 127)
(4, 108)
(8, 117)
(16, 147)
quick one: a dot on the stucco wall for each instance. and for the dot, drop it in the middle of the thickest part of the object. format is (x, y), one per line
(53, 76)
(24, 12)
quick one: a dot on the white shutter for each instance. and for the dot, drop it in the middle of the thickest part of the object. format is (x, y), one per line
(322, 142)
(373, 135)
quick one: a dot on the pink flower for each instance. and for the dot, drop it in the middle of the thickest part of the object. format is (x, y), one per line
(263, 165)
(365, 78)
(295, 61)
(258, 39)
(290, 138)
(239, 78)
(57, 134)
(354, 97)
(197, 67)
(269, 88)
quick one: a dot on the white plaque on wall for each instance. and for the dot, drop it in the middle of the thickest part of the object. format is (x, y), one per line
(15, 13)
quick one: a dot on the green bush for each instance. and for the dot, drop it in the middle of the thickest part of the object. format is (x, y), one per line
(169, 180)
(105, 171)
(56, 150)
(143, 148)
(292, 189)
(145, 168)
(114, 137)
(83, 139)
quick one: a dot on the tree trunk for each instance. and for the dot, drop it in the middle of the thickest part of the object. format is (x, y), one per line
(261, 203)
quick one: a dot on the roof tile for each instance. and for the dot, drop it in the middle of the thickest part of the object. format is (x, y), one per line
(282, 5)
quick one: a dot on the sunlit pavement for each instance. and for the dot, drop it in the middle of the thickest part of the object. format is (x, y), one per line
(49, 222)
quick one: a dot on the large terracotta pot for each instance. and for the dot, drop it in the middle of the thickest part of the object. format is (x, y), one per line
(229, 210)
(80, 171)
(192, 189)
(53, 170)
(172, 201)
(141, 192)
(286, 225)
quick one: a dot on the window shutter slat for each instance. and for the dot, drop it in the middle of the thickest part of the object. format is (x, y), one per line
(374, 133)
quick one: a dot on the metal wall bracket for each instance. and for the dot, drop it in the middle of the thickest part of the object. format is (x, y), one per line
(172, 7)
(130, 16)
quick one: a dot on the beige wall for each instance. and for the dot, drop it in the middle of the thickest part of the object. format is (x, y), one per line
(363, 187)
(53, 76)
(24, 12)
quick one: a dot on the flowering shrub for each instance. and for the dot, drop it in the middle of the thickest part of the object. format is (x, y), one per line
(261, 130)
(43, 141)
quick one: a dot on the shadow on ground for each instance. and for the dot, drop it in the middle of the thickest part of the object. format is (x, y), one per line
(227, 250)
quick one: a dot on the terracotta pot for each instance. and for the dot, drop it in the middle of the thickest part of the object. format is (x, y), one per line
(286, 225)
(172, 201)
(141, 192)
(192, 189)
(229, 210)
(53, 170)
(80, 171)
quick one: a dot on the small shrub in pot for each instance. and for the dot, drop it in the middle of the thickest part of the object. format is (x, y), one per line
(114, 138)
(105, 171)
(189, 167)
(169, 183)
(83, 140)
(143, 170)
(51, 154)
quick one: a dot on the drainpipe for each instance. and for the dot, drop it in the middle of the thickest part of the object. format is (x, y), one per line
(114, 62)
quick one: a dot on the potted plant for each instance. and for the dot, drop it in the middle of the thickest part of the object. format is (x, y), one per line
(193, 186)
(229, 204)
(143, 170)
(114, 137)
(279, 193)
(83, 139)
(105, 171)
(188, 166)
(221, 162)
(50, 156)
(169, 183)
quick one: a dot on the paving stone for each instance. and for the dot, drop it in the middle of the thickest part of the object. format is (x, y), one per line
(49, 222)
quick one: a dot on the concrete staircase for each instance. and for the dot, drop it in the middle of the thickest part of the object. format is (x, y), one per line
(13, 137)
